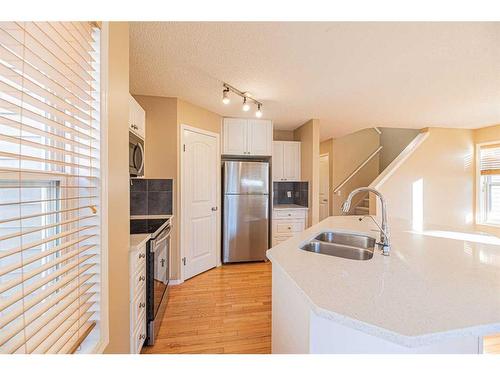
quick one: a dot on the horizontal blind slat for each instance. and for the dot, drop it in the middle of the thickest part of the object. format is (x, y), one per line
(41, 79)
(25, 112)
(17, 218)
(54, 293)
(33, 287)
(21, 125)
(12, 267)
(43, 227)
(52, 149)
(61, 284)
(57, 236)
(55, 71)
(47, 266)
(61, 301)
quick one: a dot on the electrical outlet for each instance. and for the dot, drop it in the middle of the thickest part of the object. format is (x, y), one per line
(289, 194)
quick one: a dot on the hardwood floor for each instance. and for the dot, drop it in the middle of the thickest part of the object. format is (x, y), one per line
(491, 344)
(224, 310)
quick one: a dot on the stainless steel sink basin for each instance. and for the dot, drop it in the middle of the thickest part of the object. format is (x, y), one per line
(342, 245)
(356, 240)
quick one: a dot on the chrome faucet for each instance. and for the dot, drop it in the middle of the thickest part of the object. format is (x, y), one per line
(385, 242)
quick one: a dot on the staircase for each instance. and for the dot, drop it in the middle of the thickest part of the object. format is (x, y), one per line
(369, 169)
(363, 208)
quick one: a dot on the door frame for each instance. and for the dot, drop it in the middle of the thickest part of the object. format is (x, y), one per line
(182, 251)
(327, 155)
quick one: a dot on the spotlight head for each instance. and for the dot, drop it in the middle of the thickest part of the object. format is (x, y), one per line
(246, 106)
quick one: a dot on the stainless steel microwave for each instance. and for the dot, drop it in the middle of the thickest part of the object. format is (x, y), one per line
(135, 155)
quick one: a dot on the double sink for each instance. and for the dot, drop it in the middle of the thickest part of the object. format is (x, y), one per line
(343, 245)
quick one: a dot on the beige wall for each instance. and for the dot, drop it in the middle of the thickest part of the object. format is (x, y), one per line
(394, 140)
(161, 136)
(443, 165)
(118, 194)
(485, 135)
(351, 151)
(326, 147)
(308, 135)
(164, 117)
(282, 135)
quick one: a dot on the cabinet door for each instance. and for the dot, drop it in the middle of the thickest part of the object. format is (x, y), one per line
(260, 137)
(291, 161)
(140, 119)
(235, 137)
(131, 113)
(277, 161)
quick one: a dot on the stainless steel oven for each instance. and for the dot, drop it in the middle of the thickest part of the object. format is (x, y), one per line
(158, 270)
(135, 155)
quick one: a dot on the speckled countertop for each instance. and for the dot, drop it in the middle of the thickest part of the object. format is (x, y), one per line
(435, 285)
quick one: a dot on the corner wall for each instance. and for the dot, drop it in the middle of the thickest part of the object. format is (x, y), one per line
(434, 186)
(326, 147)
(349, 152)
(164, 117)
(118, 193)
(308, 134)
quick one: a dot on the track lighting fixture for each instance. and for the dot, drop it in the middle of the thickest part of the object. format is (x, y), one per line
(246, 99)
(225, 96)
(258, 114)
(246, 106)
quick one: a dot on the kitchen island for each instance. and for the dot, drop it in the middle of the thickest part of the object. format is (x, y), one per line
(438, 292)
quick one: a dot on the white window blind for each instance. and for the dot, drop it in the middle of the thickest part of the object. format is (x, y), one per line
(49, 186)
(489, 159)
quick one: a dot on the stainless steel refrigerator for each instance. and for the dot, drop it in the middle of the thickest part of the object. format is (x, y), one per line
(246, 211)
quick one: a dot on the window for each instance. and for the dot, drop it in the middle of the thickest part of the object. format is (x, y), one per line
(50, 240)
(489, 184)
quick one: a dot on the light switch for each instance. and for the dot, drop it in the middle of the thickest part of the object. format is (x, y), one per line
(289, 194)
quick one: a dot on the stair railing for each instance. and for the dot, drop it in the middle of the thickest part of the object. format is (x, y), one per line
(346, 180)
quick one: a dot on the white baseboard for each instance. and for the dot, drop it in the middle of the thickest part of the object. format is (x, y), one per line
(175, 282)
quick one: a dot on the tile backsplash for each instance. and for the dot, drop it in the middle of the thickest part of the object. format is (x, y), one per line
(291, 193)
(150, 196)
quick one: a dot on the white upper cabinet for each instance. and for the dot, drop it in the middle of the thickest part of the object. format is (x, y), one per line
(235, 136)
(247, 137)
(136, 118)
(260, 137)
(286, 161)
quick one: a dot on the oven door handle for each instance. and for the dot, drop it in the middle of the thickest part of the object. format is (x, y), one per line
(163, 235)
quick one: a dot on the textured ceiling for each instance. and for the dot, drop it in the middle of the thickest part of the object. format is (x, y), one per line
(348, 75)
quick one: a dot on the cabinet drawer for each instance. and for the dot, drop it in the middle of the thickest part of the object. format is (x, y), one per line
(138, 308)
(289, 214)
(137, 260)
(288, 226)
(139, 336)
(138, 282)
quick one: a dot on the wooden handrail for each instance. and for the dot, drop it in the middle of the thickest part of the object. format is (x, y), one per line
(372, 155)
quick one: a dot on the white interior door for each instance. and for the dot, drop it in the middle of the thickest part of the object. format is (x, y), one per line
(200, 213)
(324, 187)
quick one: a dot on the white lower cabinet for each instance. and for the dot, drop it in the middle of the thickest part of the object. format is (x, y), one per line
(137, 299)
(287, 222)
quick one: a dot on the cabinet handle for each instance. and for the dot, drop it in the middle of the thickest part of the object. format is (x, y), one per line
(142, 305)
(290, 228)
(289, 214)
(142, 278)
(142, 255)
(142, 336)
